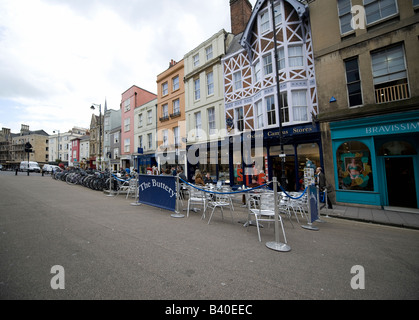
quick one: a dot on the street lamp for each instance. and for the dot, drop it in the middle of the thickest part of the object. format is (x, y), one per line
(93, 107)
(283, 178)
(58, 144)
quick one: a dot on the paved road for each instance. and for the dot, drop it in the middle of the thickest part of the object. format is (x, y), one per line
(112, 250)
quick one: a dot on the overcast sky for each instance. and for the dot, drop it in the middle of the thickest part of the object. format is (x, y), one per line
(57, 57)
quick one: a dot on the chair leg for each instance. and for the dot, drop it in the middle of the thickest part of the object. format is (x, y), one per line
(257, 227)
(211, 215)
(296, 216)
(283, 231)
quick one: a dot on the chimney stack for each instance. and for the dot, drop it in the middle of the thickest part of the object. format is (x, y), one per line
(172, 63)
(240, 13)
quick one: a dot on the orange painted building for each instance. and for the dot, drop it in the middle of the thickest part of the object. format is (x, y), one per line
(171, 128)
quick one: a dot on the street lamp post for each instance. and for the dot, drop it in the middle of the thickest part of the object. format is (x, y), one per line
(94, 105)
(279, 99)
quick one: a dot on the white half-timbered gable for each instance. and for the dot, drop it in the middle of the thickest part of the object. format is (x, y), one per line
(249, 69)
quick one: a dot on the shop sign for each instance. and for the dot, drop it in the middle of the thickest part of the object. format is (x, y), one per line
(291, 131)
(376, 126)
(405, 127)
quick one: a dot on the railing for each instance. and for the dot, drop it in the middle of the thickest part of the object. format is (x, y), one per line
(175, 115)
(392, 93)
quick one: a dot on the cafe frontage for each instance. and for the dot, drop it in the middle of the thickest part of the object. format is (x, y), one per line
(243, 159)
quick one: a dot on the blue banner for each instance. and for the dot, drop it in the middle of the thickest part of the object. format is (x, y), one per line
(313, 198)
(158, 191)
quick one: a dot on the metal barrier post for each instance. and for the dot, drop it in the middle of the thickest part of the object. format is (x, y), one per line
(137, 193)
(110, 182)
(276, 245)
(177, 214)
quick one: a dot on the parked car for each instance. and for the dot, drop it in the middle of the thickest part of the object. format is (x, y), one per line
(1, 167)
(50, 168)
(33, 166)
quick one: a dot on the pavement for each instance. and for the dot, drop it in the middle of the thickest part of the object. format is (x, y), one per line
(390, 216)
(110, 249)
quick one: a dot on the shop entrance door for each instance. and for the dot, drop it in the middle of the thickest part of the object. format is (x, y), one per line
(401, 186)
(289, 171)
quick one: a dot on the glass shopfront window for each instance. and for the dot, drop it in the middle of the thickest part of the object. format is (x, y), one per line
(354, 166)
(308, 154)
(289, 167)
(238, 170)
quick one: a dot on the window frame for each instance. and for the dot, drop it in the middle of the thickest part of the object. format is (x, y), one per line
(351, 83)
(175, 83)
(209, 52)
(296, 106)
(165, 89)
(176, 106)
(127, 124)
(210, 83)
(198, 124)
(270, 110)
(264, 25)
(127, 146)
(344, 12)
(212, 125)
(260, 115)
(369, 3)
(267, 65)
(195, 60)
(238, 80)
(197, 89)
(387, 49)
(239, 119)
(295, 57)
(165, 110)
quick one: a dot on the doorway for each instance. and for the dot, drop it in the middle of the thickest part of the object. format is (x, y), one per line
(401, 185)
(290, 173)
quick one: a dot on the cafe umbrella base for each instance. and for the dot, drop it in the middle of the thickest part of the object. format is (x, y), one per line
(278, 246)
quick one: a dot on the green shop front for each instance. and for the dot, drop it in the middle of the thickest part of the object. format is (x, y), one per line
(376, 160)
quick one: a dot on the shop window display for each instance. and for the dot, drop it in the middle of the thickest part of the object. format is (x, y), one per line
(354, 166)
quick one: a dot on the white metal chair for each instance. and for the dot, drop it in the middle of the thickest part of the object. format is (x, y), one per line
(132, 188)
(196, 196)
(219, 201)
(123, 186)
(263, 208)
(229, 197)
(299, 205)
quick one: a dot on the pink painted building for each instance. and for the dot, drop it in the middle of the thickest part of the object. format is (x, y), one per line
(131, 99)
(74, 158)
